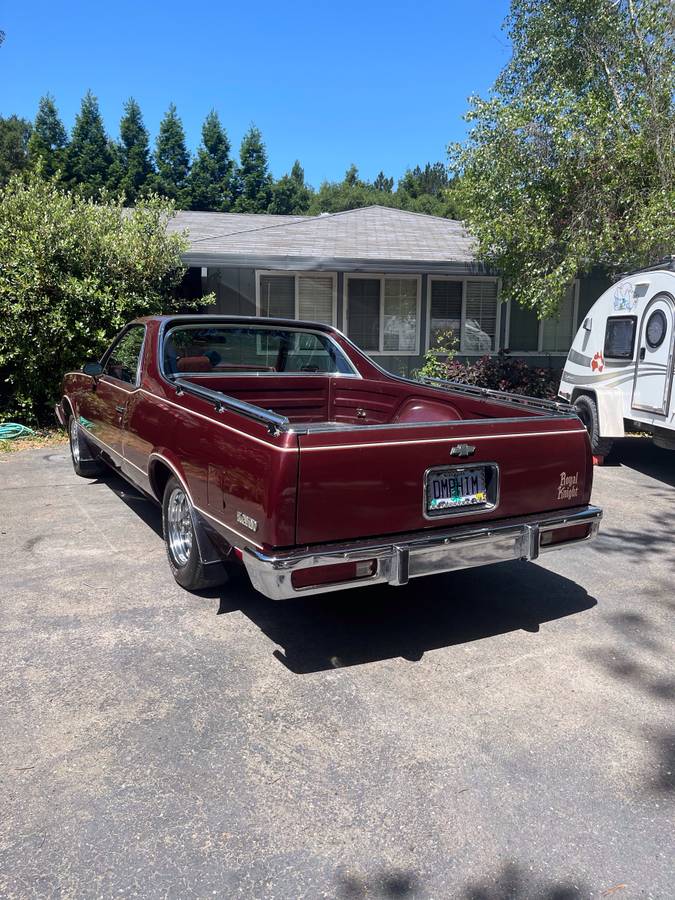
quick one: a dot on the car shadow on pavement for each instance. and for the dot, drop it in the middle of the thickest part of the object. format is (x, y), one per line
(641, 454)
(348, 628)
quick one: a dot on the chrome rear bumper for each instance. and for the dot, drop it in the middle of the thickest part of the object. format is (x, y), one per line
(420, 553)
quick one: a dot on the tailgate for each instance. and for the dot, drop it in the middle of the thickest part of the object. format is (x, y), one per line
(364, 482)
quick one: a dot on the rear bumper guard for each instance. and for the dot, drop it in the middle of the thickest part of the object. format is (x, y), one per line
(414, 555)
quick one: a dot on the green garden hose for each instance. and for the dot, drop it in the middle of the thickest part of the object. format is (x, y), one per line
(10, 430)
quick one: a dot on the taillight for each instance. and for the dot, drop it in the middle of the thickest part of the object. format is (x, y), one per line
(563, 535)
(334, 574)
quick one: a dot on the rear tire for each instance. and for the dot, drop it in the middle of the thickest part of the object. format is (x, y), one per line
(180, 540)
(80, 452)
(587, 410)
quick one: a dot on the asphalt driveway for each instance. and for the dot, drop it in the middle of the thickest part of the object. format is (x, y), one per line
(499, 733)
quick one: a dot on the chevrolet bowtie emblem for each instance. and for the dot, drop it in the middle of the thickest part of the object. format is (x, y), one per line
(462, 450)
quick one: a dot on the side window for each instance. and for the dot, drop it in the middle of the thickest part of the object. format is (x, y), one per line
(122, 363)
(620, 337)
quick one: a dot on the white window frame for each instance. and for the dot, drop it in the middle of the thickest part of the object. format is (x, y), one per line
(463, 279)
(381, 278)
(540, 332)
(295, 273)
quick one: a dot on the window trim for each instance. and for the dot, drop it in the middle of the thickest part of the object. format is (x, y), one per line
(381, 277)
(625, 358)
(463, 279)
(540, 331)
(296, 273)
(108, 353)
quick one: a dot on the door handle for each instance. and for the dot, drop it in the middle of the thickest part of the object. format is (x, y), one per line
(643, 350)
(120, 409)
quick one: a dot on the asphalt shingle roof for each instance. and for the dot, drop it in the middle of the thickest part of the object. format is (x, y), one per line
(355, 238)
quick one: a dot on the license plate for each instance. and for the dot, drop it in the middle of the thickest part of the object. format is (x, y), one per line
(456, 488)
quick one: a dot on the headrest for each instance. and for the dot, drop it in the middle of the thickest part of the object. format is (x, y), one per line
(194, 364)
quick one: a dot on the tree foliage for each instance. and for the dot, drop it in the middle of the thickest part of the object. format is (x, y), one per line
(570, 161)
(89, 155)
(291, 196)
(255, 181)
(48, 140)
(74, 272)
(212, 177)
(133, 160)
(14, 137)
(172, 159)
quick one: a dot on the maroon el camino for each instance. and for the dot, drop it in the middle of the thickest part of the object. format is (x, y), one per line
(280, 445)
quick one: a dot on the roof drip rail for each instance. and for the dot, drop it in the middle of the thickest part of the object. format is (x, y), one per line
(275, 424)
(549, 406)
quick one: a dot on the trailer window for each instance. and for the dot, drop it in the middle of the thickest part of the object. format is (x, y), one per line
(620, 337)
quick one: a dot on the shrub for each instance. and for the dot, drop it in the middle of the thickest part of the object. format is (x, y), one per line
(499, 373)
(72, 273)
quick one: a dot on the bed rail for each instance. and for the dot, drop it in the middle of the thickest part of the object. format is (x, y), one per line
(275, 424)
(552, 407)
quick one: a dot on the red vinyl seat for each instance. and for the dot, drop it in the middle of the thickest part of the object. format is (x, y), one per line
(194, 364)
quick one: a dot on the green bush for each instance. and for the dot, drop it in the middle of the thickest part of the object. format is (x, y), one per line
(72, 272)
(498, 373)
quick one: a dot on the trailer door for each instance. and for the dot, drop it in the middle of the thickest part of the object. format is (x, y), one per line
(654, 369)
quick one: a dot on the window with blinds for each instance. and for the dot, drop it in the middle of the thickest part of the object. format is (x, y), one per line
(307, 297)
(315, 298)
(363, 319)
(467, 309)
(277, 296)
(400, 315)
(480, 321)
(382, 314)
(446, 309)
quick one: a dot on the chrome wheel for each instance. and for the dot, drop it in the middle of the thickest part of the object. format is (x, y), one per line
(74, 440)
(179, 526)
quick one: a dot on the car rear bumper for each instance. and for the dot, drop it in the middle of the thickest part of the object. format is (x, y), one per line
(395, 562)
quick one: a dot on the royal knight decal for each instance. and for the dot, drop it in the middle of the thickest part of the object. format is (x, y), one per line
(568, 488)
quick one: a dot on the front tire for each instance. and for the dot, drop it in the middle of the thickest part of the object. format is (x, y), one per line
(80, 453)
(180, 540)
(587, 410)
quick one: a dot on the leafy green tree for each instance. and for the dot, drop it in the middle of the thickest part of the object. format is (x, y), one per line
(570, 161)
(290, 194)
(14, 137)
(172, 159)
(73, 273)
(133, 165)
(211, 182)
(255, 181)
(382, 183)
(48, 140)
(89, 157)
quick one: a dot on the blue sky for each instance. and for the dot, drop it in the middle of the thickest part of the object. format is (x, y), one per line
(383, 85)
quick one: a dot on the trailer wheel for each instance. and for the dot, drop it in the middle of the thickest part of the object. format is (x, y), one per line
(181, 541)
(587, 410)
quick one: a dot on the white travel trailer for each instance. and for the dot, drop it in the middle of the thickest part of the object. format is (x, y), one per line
(620, 367)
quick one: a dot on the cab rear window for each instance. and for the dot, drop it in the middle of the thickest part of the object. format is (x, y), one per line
(620, 337)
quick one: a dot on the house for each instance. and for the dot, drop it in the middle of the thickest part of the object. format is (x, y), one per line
(390, 279)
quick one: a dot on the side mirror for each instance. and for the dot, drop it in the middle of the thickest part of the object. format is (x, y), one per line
(95, 369)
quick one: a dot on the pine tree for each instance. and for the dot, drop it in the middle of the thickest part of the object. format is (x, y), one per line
(172, 159)
(14, 137)
(384, 184)
(133, 162)
(89, 157)
(48, 140)
(290, 195)
(211, 182)
(255, 181)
